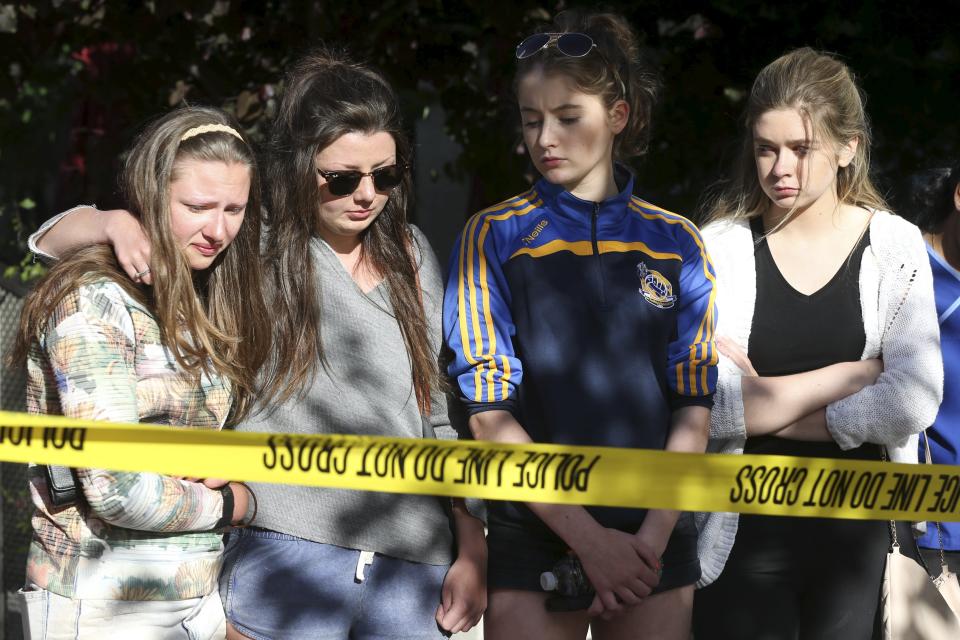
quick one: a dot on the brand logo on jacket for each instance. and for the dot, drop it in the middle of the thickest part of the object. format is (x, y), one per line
(655, 288)
(536, 231)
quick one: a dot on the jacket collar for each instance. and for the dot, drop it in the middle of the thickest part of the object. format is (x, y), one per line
(612, 211)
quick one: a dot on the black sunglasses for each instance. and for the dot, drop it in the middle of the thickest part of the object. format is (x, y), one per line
(343, 183)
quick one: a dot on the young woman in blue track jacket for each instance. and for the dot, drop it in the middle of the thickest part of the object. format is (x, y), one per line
(581, 314)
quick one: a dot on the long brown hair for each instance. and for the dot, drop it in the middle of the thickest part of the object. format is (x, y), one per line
(619, 72)
(824, 91)
(328, 95)
(211, 320)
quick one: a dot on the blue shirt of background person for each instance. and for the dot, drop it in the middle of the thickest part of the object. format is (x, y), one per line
(937, 200)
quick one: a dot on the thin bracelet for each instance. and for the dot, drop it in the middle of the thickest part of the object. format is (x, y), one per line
(253, 496)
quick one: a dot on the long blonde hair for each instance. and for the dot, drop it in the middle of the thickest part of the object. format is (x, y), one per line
(824, 91)
(211, 320)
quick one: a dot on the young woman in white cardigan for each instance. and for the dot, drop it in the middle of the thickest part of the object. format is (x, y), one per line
(828, 329)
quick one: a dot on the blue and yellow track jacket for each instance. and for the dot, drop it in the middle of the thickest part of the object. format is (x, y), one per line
(591, 322)
(576, 314)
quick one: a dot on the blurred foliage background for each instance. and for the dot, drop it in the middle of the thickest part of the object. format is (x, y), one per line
(81, 76)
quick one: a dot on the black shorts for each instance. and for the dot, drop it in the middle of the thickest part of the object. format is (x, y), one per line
(517, 556)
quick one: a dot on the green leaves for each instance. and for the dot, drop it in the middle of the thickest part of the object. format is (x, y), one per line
(79, 77)
(28, 269)
(8, 18)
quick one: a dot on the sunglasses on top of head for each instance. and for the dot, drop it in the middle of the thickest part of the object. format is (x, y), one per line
(571, 44)
(343, 183)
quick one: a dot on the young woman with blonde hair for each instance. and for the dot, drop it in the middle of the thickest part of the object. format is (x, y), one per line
(139, 554)
(829, 335)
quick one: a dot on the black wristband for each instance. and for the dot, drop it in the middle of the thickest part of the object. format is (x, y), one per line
(227, 492)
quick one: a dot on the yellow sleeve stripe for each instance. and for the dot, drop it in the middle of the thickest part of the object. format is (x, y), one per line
(504, 387)
(461, 301)
(585, 248)
(704, 383)
(697, 360)
(466, 260)
(693, 370)
(473, 349)
(705, 330)
(487, 314)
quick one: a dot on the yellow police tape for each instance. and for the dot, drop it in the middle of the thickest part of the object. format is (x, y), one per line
(601, 476)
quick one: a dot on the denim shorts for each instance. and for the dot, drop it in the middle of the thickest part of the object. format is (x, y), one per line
(277, 587)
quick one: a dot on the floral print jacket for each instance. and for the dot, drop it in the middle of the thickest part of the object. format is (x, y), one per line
(135, 536)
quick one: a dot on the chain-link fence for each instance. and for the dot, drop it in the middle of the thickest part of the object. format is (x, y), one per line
(14, 497)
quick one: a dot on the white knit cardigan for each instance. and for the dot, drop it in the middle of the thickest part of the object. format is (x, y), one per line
(900, 323)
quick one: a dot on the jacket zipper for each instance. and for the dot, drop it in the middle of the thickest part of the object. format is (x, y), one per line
(596, 252)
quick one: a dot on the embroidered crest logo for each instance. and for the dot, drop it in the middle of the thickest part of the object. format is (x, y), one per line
(655, 288)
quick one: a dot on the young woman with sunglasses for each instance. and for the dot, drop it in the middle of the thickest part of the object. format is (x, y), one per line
(818, 283)
(581, 314)
(356, 297)
(138, 554)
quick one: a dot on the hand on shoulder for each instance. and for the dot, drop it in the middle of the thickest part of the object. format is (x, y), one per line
(129, 241)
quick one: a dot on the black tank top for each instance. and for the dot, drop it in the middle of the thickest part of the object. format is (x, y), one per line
(793, 332)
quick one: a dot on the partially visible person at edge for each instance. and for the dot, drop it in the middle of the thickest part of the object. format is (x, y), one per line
(344, 264)
(139, 555)
(581, 314)
(936, 210)
(818, 282)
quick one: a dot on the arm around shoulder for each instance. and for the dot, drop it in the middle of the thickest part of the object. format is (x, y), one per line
(85, 225)
(49, 241)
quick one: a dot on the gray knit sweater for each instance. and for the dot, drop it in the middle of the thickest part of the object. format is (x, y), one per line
(365, 389)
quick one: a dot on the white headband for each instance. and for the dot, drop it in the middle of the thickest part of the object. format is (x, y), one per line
(207, 128)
